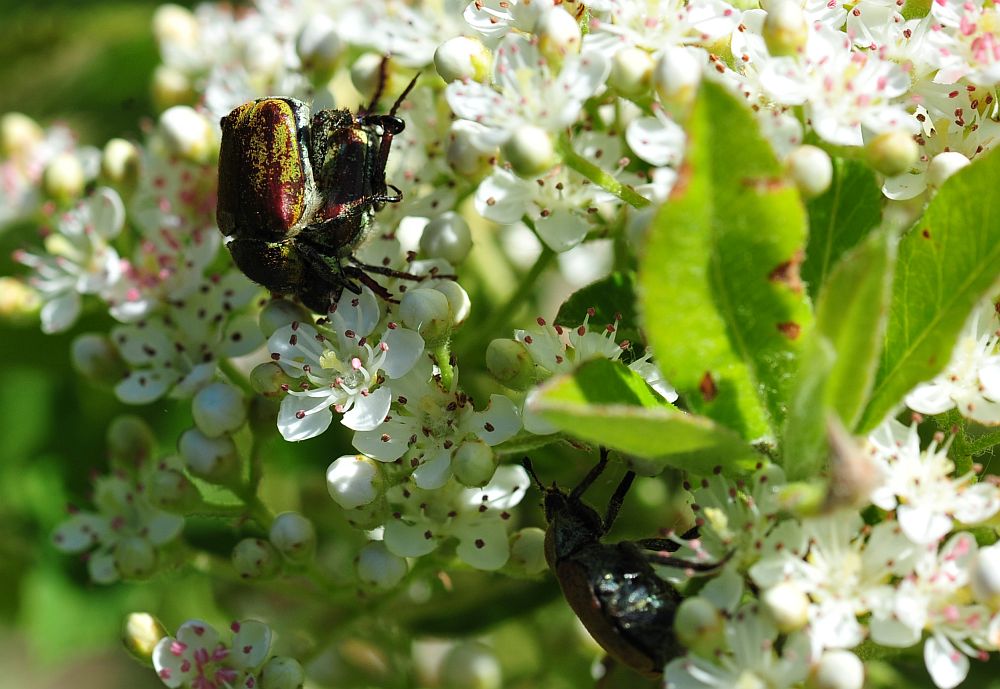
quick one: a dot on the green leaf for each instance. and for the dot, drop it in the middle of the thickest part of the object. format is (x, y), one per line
(804, 441)
(839, 219)
(605, 402)
(948, 261)
(725, 311)
(613, 296)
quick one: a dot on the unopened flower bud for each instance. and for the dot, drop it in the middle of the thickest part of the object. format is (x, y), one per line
(171, 87)
(892, 153)
(467, 154)
(811, 169)
(187, 133)
(558, 35)
(217, 409)
(631, 71)
(788, 606)
(462, 58)
(379, 568)
(510, 363)
(294, 536)
(354, 480)
(447, 236)
(699, 625)
(120, 163)
(64, 179)
(676, 76)
(474, 463)
(458, 300)
(213, 459)
(985, 576)
(278, 313)
(837, 670)
(471, 665)
(427, 311)
(943, 166)
(130, 440)
(527, 551)
(785, 28)
(269, 378)
(319, 44)
(171, 490)
(18, 301)
(140, 634)
(255, 558)
(367, 73)
(96, 358)
(175, 24)
(134, 557)
(529, 150)
(19, 134)
(282, 672)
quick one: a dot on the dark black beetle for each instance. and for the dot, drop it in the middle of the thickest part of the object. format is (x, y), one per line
(614, 590)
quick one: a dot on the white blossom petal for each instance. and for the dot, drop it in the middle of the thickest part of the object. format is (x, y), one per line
(405, 348)
(435, 470)
(369, 411)
(498, 422)
(483, 544)
(947, 666)
(251, 644)
(409, 540)
(300, 418)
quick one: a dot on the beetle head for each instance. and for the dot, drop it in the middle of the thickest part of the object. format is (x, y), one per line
(572, 523)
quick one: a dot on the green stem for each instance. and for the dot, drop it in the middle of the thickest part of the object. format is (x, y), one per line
(600, 176)
(442, 357)
(254, 507)
(236, 377)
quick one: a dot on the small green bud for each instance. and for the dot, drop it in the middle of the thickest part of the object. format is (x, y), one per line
(785, 28)
(474, 463)
(788, 606)
(354, 481)
(837, 670)
(676, 77)
(294, 536)
(171, 490)
(510, 363)
(97, 359)
(631, 72)
(175, 24)
(527, 551)
(19, 134)
(458, 300)
(269, 379)
(558, 34)
(188, 134)
(282, 672)
(130, 440)
(447, 236)
(529, 150)
(120, 163)
(319, 45)
(171, 87)
(218, 409)
(892, 153)
(466, 153)
(427, 311)
(943, 166)
(463, 58)
(140, 634)
(64, 179)
(699, 625)
(471, 665)
(378, 568)
(256, 559)
(811, 169)
(212, 459)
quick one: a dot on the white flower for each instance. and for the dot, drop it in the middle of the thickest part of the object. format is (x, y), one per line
(971, 380)
(197, 658)
(493, 19)
(79, 260)
(971, 46)
(920, 487)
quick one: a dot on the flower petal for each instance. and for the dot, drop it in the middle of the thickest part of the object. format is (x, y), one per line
(300, 418)
(369, 411)
(498, 422)
(409, 540)
(435, 470)
(946, 665)
(251, 644)
(405, 347)
(483, 544)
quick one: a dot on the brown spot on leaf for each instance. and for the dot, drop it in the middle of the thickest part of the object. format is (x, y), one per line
(790, 329)
(707, 387)
(764, 185)
(787, 273)
(925, 233)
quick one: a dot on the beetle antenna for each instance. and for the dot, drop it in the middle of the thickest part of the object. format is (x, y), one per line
(589, 479)
(526, 463)
(403, 95)
(383, 76)
(617, 499)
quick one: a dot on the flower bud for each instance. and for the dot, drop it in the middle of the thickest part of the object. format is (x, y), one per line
(788, 606)
(187, 134)
(18, 301)
(699, 625)
(218, 409)
(527, 551)
(319, 44)
(213, 459)
(837, 670)
(447, 236)
(294, 536)
(785, 28)
(120, 163)
(985, 576)
(367, 74)
(255, 558)
(558, 35)
(278, 313)
(458, 300)
(676, 76)
(892, 153)
(140, 634)
(134, 557)
(379, 568)
(268, 379)
(130, 440)
(427, 311)
(631, 71)
(529, 150)
(467, 154)
(282, 672)
(811, 169)
(509, 362)
(471, 665)
(943, 166)
(171, 87)
(171, 490)
(462, 58)
(18, 135)
(64, 179)
(96, 358)
(474, 463)
(175, 24)
(354, 480)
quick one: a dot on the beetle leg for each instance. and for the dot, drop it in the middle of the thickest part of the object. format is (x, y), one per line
(589, 479)
(661, 558)
(615, 503)
(369, 282)
(383, 270)
(666, 543)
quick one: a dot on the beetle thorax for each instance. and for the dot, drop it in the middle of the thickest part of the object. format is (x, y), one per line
(572, 524)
